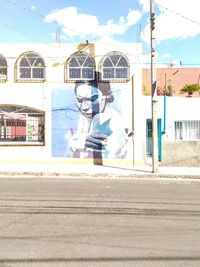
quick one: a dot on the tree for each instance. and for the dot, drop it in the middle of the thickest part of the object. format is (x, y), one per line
(190, 88)
(170, 89)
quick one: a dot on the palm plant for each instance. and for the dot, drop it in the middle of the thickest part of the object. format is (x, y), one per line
(190, 88)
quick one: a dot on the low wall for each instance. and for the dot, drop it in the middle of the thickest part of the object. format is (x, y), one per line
(181, 153)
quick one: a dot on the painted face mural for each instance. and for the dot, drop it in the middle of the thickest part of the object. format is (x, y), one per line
(89, 125)
(90, 100)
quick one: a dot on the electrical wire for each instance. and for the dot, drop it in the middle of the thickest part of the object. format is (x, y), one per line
(177, 13)
(43, 16)
(108, 44)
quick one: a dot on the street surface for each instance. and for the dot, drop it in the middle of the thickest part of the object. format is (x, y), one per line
(99, 222)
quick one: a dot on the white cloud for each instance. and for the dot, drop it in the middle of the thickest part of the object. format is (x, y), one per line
(145, 5)
(174, 25)
(33, 8)
(133, 17)
(165, 55)
(79, 24)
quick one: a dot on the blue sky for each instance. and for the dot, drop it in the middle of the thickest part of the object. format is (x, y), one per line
(177, 25)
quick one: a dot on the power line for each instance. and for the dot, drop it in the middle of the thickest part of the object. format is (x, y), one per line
(34, 12)
(178, 14)
(21, 32)
(169, 63)
(42, 16)
(25, 8)
(57, 25)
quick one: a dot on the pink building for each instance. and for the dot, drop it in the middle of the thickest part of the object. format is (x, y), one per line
(173, 79)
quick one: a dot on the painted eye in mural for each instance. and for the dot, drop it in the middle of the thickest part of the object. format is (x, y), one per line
(80, 100)
(94, 98)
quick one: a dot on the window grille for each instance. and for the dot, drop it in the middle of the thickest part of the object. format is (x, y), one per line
(114, 67)
(80, 67)
(21, 126)
(187, 130)
(30, 67)
(3, 69)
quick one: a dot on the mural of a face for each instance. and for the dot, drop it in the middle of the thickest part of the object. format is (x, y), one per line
(90, 100)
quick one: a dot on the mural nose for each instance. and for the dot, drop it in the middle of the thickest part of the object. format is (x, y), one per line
(85, 106)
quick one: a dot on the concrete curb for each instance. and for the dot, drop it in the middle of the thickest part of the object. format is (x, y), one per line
(89, 175)
(63, 170)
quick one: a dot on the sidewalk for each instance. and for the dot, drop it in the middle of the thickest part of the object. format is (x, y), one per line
(61, 170)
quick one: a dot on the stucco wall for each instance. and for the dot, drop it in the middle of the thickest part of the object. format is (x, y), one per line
(174, 152)
(40, 95)
(181, 153)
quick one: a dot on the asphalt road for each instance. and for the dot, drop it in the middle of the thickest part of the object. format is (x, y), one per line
(99, 222)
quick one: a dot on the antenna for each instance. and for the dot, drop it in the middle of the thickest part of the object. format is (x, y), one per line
(57, 33)
(139, 34)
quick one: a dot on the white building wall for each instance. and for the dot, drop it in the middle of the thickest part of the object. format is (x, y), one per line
(38, 95)
(176, 152)
(136, 108)
(177, 109)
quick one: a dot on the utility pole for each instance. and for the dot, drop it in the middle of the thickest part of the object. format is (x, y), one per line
(153, 90)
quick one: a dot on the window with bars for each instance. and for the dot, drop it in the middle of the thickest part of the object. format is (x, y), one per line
(21, 126)
(187, 130)
(3, 69)
(114, 67)
(30, 67)
(80, 67)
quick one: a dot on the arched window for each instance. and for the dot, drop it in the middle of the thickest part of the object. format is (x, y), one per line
(3, 69)
(114, 67)
(20, 125)
(30, 67)
(80, 67)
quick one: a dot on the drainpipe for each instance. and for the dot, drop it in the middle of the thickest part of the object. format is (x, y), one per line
(133, 119)
(164, 115)
(165, 105)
